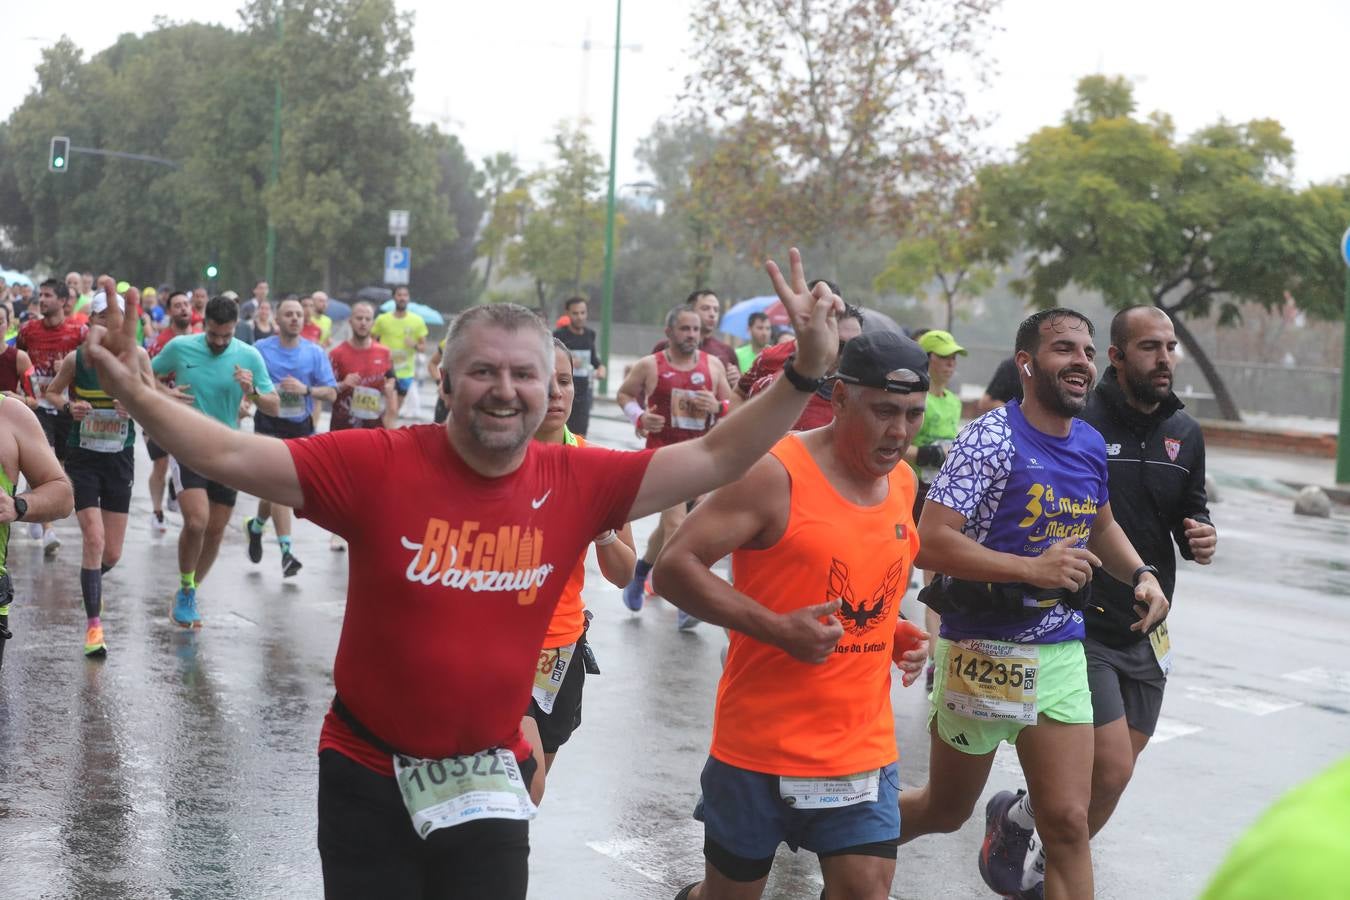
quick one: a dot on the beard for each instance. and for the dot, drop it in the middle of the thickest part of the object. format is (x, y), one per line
(1143, 388)
(1054, 396)
(507, 440)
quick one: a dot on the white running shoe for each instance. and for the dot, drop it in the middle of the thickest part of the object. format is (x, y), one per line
(35, 530)
(50, 543)
(157, 525)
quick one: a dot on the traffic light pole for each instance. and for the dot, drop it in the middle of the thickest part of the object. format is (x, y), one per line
(117, 154)
(1343, 433)
(271, 265)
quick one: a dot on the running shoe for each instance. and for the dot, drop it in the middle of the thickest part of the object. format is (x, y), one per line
(1004, 852)
(254, 540)
(157, 526)
(685, 622)
(185, 608)
(289, 565)
(93, 641)
(336, 544)
(647, 587)
(50, 543)
(35, 530)
(633, 595)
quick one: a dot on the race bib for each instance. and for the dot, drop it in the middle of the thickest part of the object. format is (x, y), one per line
(292, 405)
(830, 793)
(684, 412)
(992, 680)
(581, 363)
(549, 675)
(40, 383)
(1162, 648)
(104, 431)
(367, 403)
(443, 793)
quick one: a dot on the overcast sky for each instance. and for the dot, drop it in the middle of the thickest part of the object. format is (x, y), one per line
(501, 75)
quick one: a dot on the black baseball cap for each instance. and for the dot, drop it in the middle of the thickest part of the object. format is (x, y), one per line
(886, 360)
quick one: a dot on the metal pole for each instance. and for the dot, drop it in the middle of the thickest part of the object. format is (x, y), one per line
(607, 304)
(274, 177)
(1343, 433)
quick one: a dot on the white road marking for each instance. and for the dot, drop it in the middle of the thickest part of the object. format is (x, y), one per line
(1323, 678)
(1167, 729)
(1240, 699)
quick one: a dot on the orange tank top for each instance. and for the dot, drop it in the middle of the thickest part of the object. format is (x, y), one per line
(569, 617)
(784, 717)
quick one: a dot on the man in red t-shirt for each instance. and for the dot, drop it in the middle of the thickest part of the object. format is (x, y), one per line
(456, 567)
(364, 370)
(47, 341)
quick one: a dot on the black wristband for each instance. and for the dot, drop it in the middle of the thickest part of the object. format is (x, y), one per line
(1153, 570)
(800, 381)
(20, 509)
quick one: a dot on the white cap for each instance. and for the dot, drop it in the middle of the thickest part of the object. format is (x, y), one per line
(100, 303)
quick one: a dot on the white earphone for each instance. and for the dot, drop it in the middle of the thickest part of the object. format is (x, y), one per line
(1026, 368)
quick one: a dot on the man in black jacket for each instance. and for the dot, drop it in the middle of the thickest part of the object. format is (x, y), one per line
(1155, 457)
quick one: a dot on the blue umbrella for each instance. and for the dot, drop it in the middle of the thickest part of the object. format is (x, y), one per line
(15, 277)
(429, 315)
(737, 319)
(338, 310)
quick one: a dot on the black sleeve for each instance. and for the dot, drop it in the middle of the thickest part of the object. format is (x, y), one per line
(1195, 501)
(1005, 386)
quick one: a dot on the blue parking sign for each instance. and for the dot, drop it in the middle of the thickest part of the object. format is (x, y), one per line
(397, 265)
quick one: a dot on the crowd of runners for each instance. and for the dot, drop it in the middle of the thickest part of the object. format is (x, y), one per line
(829, 466)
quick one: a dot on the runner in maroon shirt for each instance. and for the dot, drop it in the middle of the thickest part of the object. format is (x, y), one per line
(686, 391)
(709, 310)
(455, 569)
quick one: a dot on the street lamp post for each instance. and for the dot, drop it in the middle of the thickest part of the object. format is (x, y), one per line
(607, 304)
(274, 176)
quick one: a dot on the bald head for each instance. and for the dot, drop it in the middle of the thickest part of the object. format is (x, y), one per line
(1130, 319)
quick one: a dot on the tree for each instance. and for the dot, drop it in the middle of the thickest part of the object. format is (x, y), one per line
(448, 278)
(562, 243)
(508, 196)
(945, 248)
(1121, 206)
(832, 111)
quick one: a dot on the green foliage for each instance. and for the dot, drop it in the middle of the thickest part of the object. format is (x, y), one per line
(1120, 206)
(562, 241)
(203, 96)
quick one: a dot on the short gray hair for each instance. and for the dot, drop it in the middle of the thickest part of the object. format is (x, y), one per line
(507, 317)
(674, 315)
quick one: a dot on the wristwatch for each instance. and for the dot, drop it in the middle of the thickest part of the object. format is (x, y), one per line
(1152, 570)
(800, 381)
(20, 509)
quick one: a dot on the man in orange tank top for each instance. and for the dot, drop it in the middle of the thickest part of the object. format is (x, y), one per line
(822, 538)
(687, 391)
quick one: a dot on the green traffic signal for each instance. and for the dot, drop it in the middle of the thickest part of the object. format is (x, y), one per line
(212, 271)
(59, 162)
(59, 154)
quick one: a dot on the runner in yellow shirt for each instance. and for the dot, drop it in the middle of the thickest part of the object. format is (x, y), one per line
(405, 334)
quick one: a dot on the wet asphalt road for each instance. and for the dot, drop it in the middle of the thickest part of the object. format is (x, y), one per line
(184, 765)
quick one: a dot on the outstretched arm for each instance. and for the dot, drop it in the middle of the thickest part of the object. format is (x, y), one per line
(49, 496)
(258, 465)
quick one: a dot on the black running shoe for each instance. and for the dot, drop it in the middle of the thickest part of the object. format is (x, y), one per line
(254, 540)
(289, 565)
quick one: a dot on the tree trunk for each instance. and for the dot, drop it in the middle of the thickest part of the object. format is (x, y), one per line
(1227, 407)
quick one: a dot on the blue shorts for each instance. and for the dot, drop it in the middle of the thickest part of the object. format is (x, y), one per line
(744, 814)
(402, 384)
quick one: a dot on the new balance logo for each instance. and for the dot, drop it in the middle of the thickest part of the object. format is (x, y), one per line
(960, 740)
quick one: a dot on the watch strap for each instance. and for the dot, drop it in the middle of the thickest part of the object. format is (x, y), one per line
(800, 381)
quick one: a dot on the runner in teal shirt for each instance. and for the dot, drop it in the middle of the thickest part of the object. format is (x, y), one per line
(204, 366)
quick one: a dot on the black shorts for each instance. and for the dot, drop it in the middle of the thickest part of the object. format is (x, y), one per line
(184, 479)
(1125, 681)
(920, 495)
(102, 480)
(282, 428)
(368, 847)
(580, 420)
(557, 726)
(56, 426)
(155, 450)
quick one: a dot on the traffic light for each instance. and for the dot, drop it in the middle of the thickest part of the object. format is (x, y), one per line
(212, 271)
(59, 159)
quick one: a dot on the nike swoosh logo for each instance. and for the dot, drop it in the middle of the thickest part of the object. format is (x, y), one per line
(667, 374)
(542, 500)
